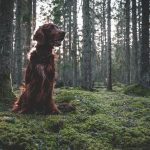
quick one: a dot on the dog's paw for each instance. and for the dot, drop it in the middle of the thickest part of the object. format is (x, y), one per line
(54, 110)
(16, 108)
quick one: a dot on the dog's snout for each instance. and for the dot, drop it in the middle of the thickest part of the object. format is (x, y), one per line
(63, 33)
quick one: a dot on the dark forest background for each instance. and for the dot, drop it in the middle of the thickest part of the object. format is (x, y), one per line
(106, 42)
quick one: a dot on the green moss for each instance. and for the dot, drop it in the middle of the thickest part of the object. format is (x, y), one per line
(137, 90)
(104, 127)
(71, 139)
(137, 137)
(54, 124)
(102, 121)
(65, 96)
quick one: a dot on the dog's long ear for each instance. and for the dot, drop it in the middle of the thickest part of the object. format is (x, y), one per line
(39, 36)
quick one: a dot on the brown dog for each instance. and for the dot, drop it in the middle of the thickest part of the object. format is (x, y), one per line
(40, 73)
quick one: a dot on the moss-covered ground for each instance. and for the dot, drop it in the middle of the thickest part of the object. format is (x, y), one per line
(102, 121)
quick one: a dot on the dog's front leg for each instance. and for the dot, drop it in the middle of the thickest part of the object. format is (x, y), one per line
(53, 107)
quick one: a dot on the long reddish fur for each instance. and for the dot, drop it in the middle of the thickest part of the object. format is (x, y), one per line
(39, 83)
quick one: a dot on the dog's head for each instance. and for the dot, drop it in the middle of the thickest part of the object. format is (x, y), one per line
(49, 34)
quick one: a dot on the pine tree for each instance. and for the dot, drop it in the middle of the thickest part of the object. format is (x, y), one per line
(86, 54)
(6, 22)
(145, 60)
(127, 42)
(28, 25)
(134, 61)
(74, 44)
(109, 72)
(18, 45)
(34, 14)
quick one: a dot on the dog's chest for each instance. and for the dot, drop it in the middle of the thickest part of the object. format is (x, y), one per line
(44, 65)
(43, 59)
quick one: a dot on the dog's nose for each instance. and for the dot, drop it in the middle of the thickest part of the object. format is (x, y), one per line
(62, 33)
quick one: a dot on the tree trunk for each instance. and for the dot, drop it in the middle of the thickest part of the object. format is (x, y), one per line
(74, 44)
(109, 78)
(34, 15)
(139, 36)
(64, 51)
(18, 44)
(103, 44)
(86, 54)
(127, 42)
(69, 69)
(134, 61)
(69, 27)
(6, 24)
(28, 30)
(145, 62)
(93, 44)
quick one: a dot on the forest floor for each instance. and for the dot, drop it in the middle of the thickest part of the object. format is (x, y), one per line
(102, 121)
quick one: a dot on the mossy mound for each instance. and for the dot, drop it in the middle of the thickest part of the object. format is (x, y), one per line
(137, 90)
(102, 121)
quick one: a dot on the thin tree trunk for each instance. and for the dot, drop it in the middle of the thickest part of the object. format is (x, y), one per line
(103, 43)
(139, 36)
(28, 30)
(70, 45)
(74, 45)
(123, 36)
(64, 50)
(34, 15)
(109, 78)
(69, 69)
(134, 61)
(127, 42)
(145, 62)
(18, 45)
(93, 46)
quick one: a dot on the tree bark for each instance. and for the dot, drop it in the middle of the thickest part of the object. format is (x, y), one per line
(6, 24)
(134, 61)
(18, 44)
(127, 42)
(64, 51)
(145, 60)
(139, 36)
(28, 30)
(103, 44)
(93, 44)
(74, 44)
(109, 78)
(34, 15)
(86, 54)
